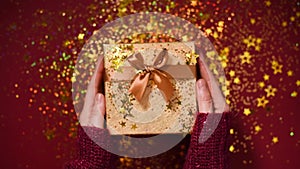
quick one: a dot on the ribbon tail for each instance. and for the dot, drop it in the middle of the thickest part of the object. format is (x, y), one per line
(164, 84)
(139, 85)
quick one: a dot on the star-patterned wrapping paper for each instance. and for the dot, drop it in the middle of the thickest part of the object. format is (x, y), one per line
(257, 42)
(153, 114)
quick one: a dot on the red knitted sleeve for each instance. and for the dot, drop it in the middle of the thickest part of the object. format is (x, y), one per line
(208, 153)
(90, 155)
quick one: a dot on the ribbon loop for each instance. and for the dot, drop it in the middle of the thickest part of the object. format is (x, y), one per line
(161, 78)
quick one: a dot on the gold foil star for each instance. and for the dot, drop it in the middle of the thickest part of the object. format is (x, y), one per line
(298, 82)
(80, 36)
(276, 67)
(290, 73)
(122, 123)
(247, 112)
(232, 73)
(261, 84)
(193, 2)
(236, 80)
(275, 140)
(258, 128)
(270, 91)
(294, 94)
(266, 77)
(133, 126)
(268, 3)
(246, 57)
(231, 148)
(261, 102)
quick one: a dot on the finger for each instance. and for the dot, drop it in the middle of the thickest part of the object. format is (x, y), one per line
(94, 84)
(97, 116)
(96, 80)
(217, 96)
(204, 99)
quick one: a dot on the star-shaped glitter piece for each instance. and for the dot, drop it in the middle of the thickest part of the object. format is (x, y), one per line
(232, 73)
(247, 111)
(261, 84)
(231, 148)
(266, 77)
(169, 106)
(246, 57)
(236, 80)
(122, 123)
(257, 128)
(290, 73)
(294, 94)
(80, 36)
(275, 140)
(261, 102)
(268, 3)
(277, 69)
(298, 82)
(134, 126)
(270, 91)
(193, 2)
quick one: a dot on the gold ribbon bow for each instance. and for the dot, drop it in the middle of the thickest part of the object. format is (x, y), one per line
(160, 77)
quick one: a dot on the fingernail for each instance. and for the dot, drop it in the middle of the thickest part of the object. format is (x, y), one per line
(201, 84)
(99, 97)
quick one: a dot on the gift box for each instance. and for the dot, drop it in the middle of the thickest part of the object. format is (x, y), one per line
(150, 87)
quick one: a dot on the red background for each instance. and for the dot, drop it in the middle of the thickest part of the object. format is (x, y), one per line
(38, 122)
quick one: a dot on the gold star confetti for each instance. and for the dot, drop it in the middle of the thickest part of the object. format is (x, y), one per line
(266, 77)
(232, 73)
(193, 2)
(258, 128)
(236, 80)
(268, 3)
(294, 94)
(122, 123)
(261, 102)
(231, 131)
(253, 42)
(275, 140)
(246, 57)
(261, 84)
(270, 91)
(276, 67)
(231, 148)
(298, 82)
(80, 36)
(290, 73)
(134, 126)
(247, 111)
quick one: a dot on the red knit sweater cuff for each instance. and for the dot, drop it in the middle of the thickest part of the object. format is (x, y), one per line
(91, 154)
(208, 146)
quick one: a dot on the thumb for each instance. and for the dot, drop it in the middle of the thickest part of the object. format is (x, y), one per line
(204, 99)
(97, 118)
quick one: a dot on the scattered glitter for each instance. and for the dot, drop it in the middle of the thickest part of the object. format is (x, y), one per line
(231, 148)
(294, 94)
(275, 140)
(270, 91)
(261, 102)
(247, 112)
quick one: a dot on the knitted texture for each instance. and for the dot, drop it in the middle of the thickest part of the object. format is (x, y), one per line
(90, 154)
(208, 152)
